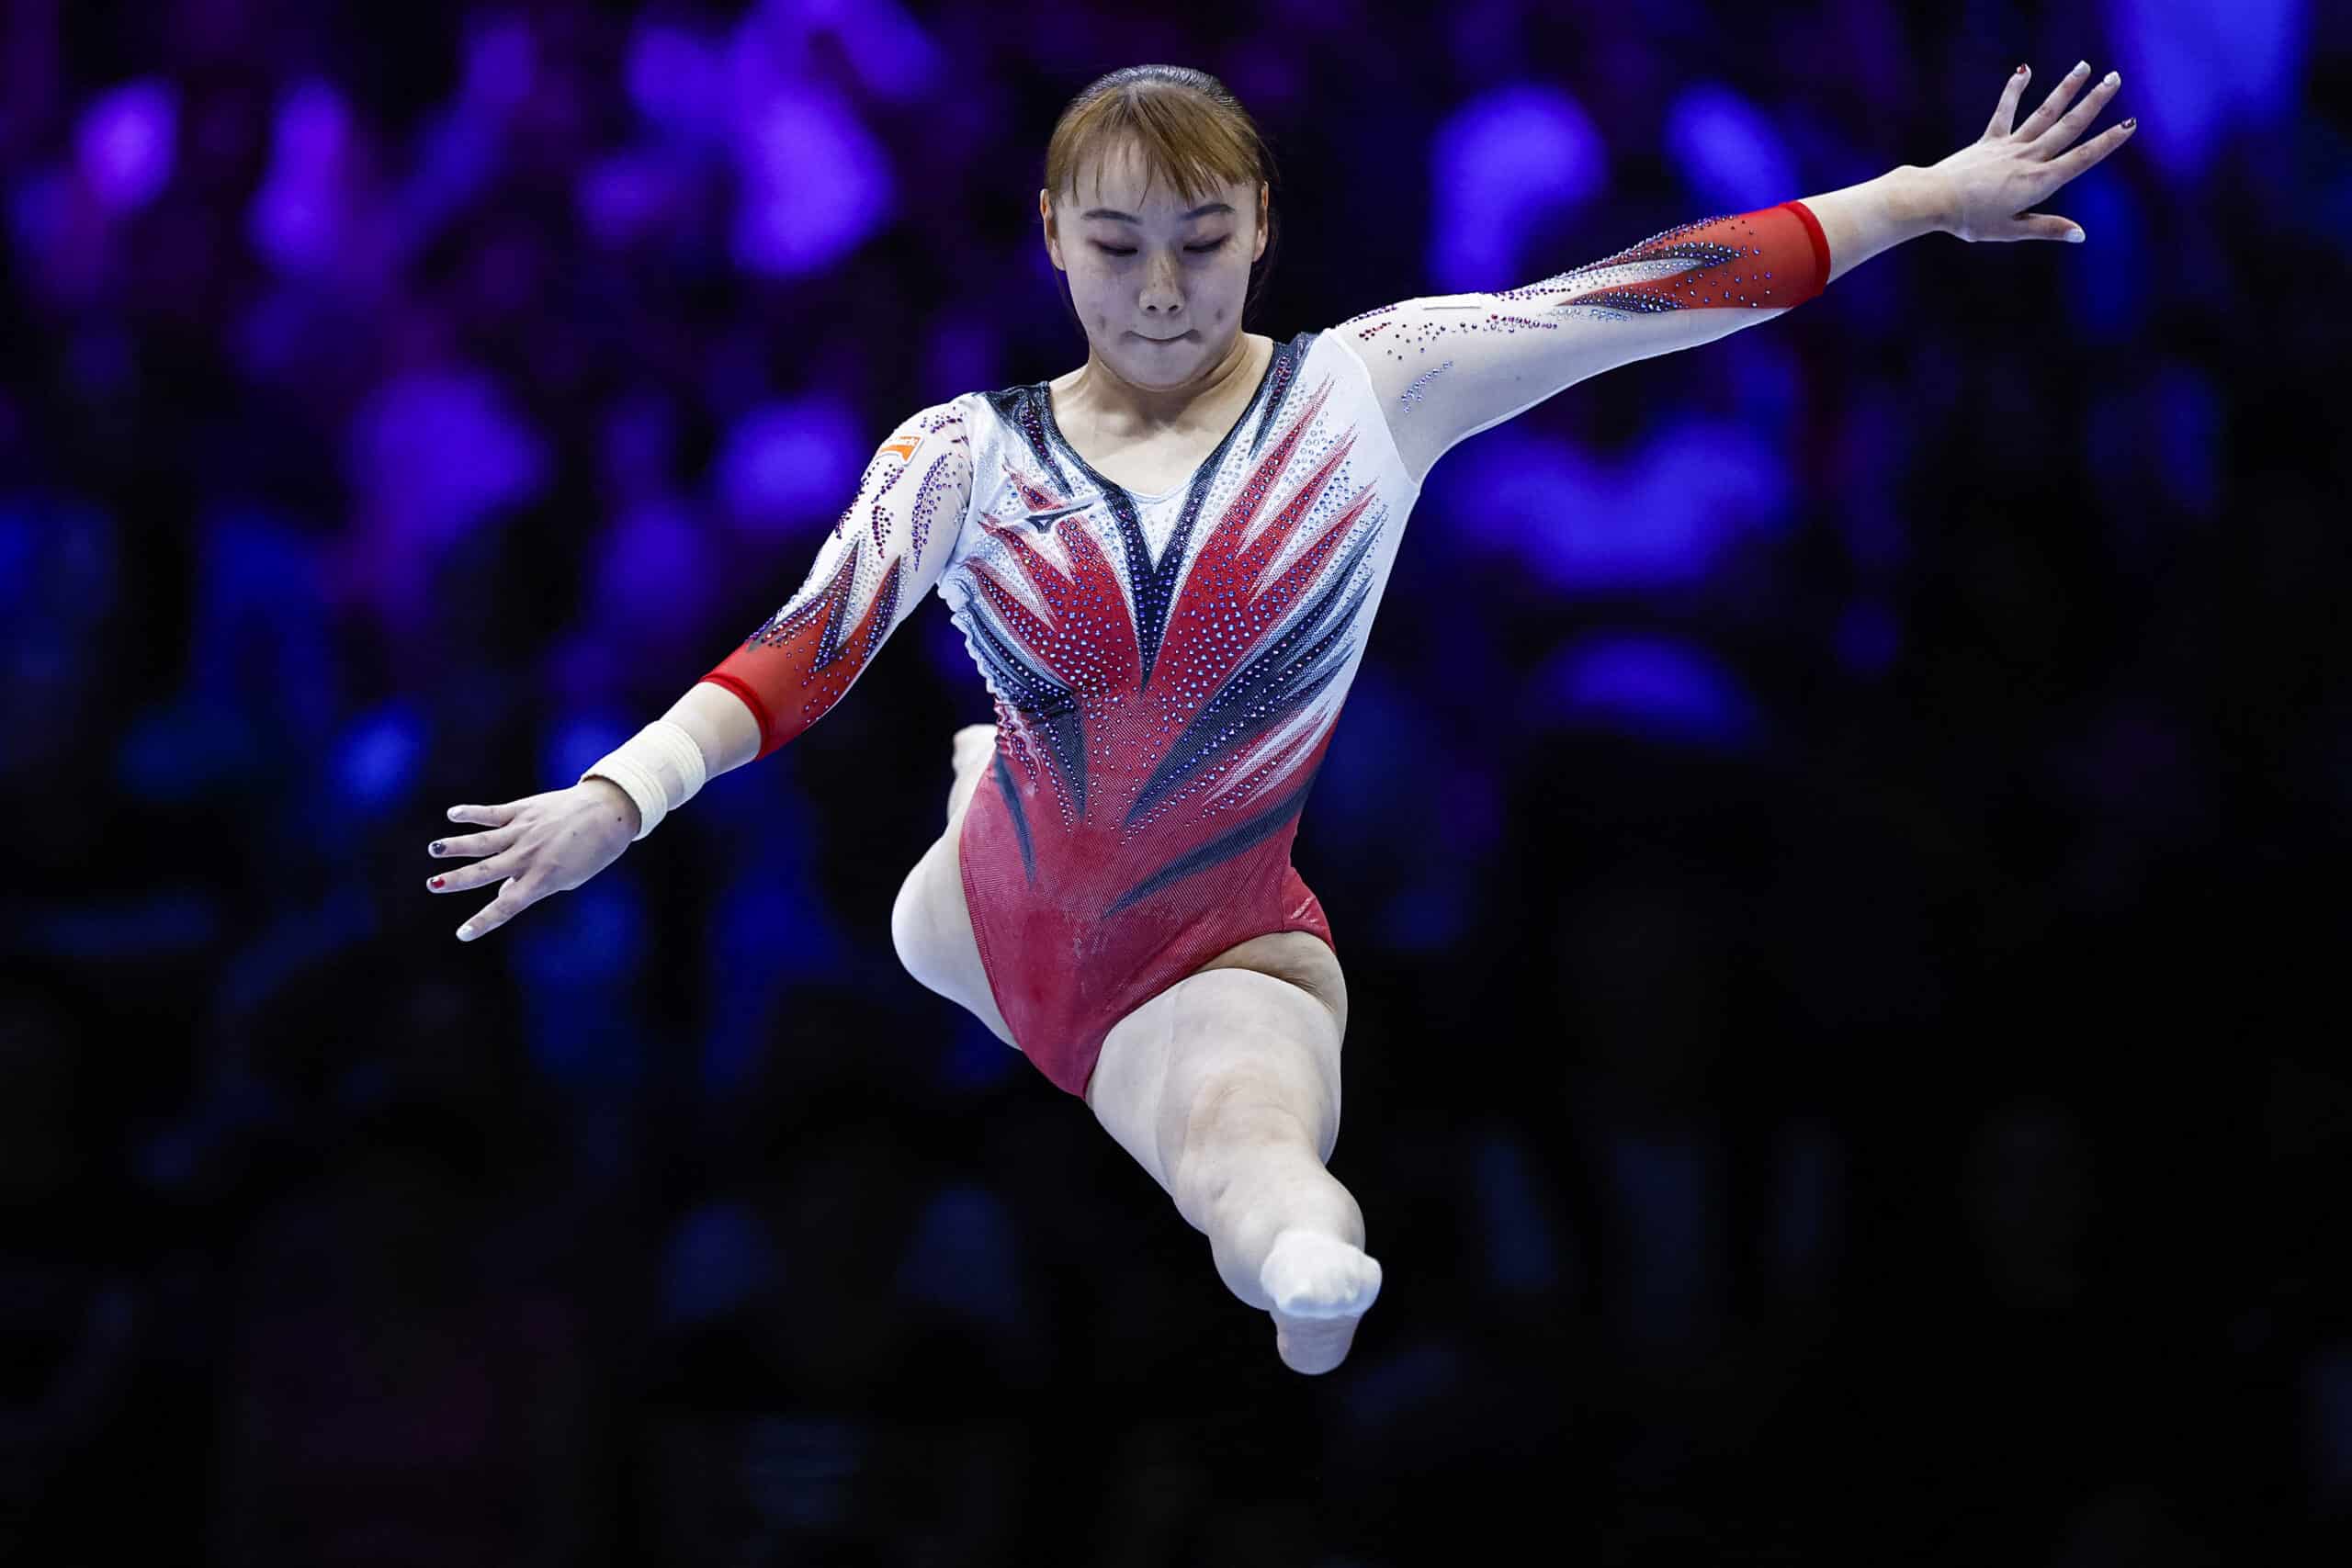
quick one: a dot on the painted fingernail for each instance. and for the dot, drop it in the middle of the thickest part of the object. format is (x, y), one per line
(437, 846)
(2130, 123)
(2021, 71)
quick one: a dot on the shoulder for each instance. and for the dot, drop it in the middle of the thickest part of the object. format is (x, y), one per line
(951, 419)
(1350, 345)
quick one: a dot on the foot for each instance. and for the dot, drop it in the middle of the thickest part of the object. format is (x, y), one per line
(1320, 1286)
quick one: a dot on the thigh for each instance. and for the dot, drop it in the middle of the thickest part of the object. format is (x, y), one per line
(931, 925)
(1302, 958)
(1217, 1032)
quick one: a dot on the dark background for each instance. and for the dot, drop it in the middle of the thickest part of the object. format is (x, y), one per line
(1836, 840)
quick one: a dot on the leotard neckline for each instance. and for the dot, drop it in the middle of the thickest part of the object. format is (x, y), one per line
(1046, 401)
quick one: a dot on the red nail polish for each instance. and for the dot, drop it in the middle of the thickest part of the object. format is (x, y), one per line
(437, 882)
(2019, 72)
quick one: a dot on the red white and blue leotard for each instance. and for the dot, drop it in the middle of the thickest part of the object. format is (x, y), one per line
(1168, 669)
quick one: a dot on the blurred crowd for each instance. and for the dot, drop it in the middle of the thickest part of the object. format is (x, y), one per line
(1832, 841)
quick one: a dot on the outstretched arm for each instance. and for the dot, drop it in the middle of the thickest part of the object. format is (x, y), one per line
(887, 551)
(1448, 367)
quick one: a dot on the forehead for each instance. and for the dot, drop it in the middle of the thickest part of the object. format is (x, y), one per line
(1120, 176)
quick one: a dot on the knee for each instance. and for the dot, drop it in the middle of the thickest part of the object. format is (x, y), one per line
(911, 926)
(1237, 1123)
(1250, 1107)
(1278, 1081)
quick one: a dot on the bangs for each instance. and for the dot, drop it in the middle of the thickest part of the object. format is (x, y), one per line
(1183, 141)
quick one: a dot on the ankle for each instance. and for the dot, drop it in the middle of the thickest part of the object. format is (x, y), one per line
(1253, 1213)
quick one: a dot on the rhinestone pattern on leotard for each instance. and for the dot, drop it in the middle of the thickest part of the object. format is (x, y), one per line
(1180, 650)
(799, 662)
(1713, 263)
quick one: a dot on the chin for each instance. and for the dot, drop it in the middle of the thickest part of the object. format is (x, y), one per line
(1147, 361)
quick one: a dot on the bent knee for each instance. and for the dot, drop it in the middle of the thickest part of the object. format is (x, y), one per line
(914, 927)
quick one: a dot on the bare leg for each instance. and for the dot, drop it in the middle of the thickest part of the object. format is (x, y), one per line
(1287, 1237)
(929, 924)
(975, 750)
(1226, 1087)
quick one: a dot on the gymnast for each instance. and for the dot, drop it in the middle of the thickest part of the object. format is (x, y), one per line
(1165, 564)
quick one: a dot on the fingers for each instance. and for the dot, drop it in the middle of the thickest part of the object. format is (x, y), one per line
(2060, 97)
(512, 901)
(2068, 166)
(461, 879)
(2006, 113)
(2044, 226)
(514, 898)
(468, 845)
(2061, 136)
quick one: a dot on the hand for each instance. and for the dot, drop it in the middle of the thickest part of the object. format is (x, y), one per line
(1982, 191)
(540, 844)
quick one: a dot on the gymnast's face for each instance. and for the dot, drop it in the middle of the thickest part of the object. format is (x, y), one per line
(1158, 282)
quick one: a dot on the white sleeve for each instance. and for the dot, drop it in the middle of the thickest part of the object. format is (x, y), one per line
(1449, 366)
(886, 553)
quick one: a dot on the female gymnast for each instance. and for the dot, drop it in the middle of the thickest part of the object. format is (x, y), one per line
(1166, 563)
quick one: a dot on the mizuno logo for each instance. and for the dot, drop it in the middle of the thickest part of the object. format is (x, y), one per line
(1041, 521)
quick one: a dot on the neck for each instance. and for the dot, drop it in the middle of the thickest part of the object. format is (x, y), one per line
(1111, 403)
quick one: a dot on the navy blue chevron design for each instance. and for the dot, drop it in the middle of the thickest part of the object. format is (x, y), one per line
(1154, 581)
(1223, 847)
(1041, 698)
(1004, 786)
(1272, 686)
(1023, 409)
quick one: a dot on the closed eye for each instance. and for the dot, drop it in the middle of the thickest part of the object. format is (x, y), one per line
(1130, 249)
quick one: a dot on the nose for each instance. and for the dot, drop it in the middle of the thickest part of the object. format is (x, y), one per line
(1161, 298)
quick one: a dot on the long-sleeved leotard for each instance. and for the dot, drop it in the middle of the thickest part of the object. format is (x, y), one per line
(888, 551)
(1450, 366)
(1168, 669)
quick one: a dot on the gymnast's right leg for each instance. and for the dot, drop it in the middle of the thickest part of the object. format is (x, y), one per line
(1226, 1087)
(930, 925)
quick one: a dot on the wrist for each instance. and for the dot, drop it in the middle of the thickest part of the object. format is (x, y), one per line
(660, 769)
(1920, 199)
(620, 802)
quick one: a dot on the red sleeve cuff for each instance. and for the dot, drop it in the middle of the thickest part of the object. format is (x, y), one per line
(1820, 242)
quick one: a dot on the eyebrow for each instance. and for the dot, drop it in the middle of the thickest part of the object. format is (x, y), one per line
(1131, 218)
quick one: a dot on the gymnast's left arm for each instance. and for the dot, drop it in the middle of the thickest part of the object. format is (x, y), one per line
(1448, 367)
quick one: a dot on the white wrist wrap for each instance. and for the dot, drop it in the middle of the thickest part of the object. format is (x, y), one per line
(660, 767)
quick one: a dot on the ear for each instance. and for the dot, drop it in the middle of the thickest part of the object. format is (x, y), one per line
(1265, 200)
(1046, 211)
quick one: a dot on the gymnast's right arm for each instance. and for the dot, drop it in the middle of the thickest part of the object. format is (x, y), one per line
(887, 551)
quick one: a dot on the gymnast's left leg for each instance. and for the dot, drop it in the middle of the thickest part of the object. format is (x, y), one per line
(1226, 1087)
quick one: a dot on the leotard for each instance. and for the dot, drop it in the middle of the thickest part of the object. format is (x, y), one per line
(1168, 669)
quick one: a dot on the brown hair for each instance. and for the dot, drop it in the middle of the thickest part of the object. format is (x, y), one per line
(1191, 131)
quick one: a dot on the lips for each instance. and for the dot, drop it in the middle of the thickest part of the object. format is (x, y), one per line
(1148, 339)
